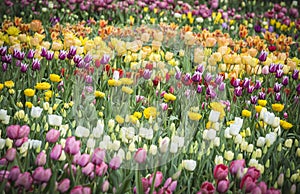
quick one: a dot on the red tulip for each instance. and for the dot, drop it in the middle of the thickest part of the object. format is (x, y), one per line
(220, 172)
(207, 188)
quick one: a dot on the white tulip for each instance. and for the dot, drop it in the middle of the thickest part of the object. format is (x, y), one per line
(2, 143)
(173, 147)
(189, 165)
(276, 122)
(227, 133)
(153, 150)
(91, 143)
(36, 112)
(238, 139)
(214, 116)
(3, 114)
(261, 142)
(211, 134)
(164, 144)
(82, 131)
(55, 120)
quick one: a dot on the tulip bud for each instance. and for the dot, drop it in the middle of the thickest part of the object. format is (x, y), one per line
(288, 173)
(293, 189)
(267, 165)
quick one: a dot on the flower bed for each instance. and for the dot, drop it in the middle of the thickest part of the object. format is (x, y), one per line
(161, 98)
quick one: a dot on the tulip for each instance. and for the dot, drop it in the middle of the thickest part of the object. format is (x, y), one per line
(220, 172)
(196, 77)
(223, 186)
(72, 146)
(246, 83)
(30, 54)
(189, 165)
(55, 120)
(238, 91)
(67, 168)
(4, 67)
(72, 52)
(178, 75)
(105, 186)
(62, 54)
(236, 167)
(295, 74)
(101, 169)
(208, 77)
(115, 163)
(250, 89)
(253, 99)
(105, 59)
(41, 159)
(42, 175)
(52, 136)
(88, 169)
(279, 73)
(11, 154)
(158, 179)
(15, 132)
(64, 185)
(222, 86)
(56, 152)
(3, 50)
(81, 190)
(247, 183)
(14, 173)
(147, 74)
(24, 180)
(273, 191)
(6, 58)
(207, 188)
(263, 56)
(278, 96)
(272, 68)
(83, 160)
(36, 65)
(298, 88)
(98, 156)
(43, 52)
(265, 70)
(77, 59)
(253, 172)
(277, 87)
(19, 142)
(261, 95)
(140, 155)
(200, 68)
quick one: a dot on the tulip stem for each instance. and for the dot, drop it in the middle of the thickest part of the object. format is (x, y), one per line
(138, 181)
(153, 181)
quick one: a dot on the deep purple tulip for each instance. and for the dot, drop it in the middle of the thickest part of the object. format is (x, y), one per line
(295, 75)
(18, 54)
(253, 99)
(257, 28)
(6, 58)
(72, 52)
(62, 54)
(200, 68)
(178, 75)
(36, 65)
(24, 67)
(279, 66)
(147, 74)
(246, 83)
(285, 80)
(77, 59)
(272, 68)
(298, 88)
(277, 96)
(277, 87)
(250, 89)
(235, 83)
(43, 52)
(277, 7)
(3, 50)
(196, 77)
(105, 59)
(30, 54)
(238, 91)
(4, 67)
(88, 58)
(263, 56)
(262, 95)
(279, 73)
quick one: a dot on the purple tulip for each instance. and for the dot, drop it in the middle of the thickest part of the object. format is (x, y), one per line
(88, 169)
(24, 180)
(77, 59)
(222, 86)
(43, 52)
(253, 99)
(178, 75)
(199, 88)
(246, 83)
(64, 185)
(11, 154)
(36, 64)
(4, 67)
(105, 59)
(41, 159)
(263, 186)
(41, 175)
(250, 89)
(83, 160)
(56, 152)
(272, 68)
(223, 186)
(81, 190)
(147, 74)
(285, 80)
(295, 75)
(262, 95)
(6, 58)
(294, 12)
(257, 84)
(14, 173)
(115, 163)
(263, 56)
(3, 50)
(298, 88)
(257, 28)
(49, 55)
(19, 142)
(208, 77)
(30, 54)
(200, 68)
(196, 77)
(3, 162)
(219, 79)
(279, 73)
(277, 87)
(52, 136)
(62, 54)
(98, 156)
(237, 167)
(235, 83)
(18, 54)
(72, 146)
(238, 91)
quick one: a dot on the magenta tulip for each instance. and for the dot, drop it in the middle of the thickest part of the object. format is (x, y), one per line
(223, 186)
(14, 173)
(41, 175)
(158, 179)
(83, 160)
(253, 172)
(220, 172)
(101, 169)
(17, 132)
(72, 146)
(115, 163)
(207, 188)
(247, 183)
(88, 169)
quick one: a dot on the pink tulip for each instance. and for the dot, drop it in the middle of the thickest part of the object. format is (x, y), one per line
(88, 169)
(52, 136)
(223, 186)
(72, 146)
(273, 191)
(56, 152)
(67, 168)
(81, 190)
(158, 179)
(247, 183)
(24, 180)
(172, 186)
(105, 186)
(263, 186)
(115, 163)
(10, 154)
(83, 160)
(14, 173)
(4, 175)
(19, 142)
(41, 175)
(253, 172)
(207, 188)
(98, 156)
(220, 172)
(3, 162)
(101, 169)
(41, 159)
(64, 185)
(236, 167)
(140, 155)
(17, 132)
